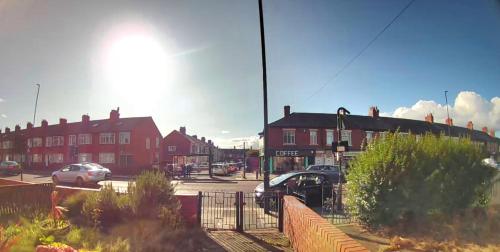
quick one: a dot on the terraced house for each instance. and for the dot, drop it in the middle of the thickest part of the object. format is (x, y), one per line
(125, 145)
(301, 139)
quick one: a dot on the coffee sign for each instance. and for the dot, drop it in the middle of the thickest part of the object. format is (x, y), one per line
(291, 153)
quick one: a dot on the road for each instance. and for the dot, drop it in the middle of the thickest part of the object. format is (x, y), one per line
(182, 187)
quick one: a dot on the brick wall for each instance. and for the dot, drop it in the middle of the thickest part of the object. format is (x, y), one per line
(189, 208)
(308, 231)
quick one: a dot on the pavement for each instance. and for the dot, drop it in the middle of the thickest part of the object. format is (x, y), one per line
(251, 240)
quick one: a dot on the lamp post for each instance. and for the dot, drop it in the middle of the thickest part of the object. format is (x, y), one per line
(244, 160)
(447, 114)
(341, 112)
(36, 103)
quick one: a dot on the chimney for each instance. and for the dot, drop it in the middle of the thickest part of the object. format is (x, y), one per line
(449, 121)
(183, 130)
(29, 125)
(114, 115)
(210, 142)
(429, 118)
(45, 124)
(0, 131)
(195, 136)
(492, 133)
(485, 130)
(286, 111)
(85, 119)
(63, 121)
(17, 128)
(7, 130)
(470, 125)
(373, 112)
(203, 139)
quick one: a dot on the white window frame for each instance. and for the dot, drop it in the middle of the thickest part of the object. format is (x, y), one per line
(369, 136)
(29, 142)
(84, 139)
(56, 158)
(36, 158)
(329, 133)
(346, 135)
(288, 136)
(7, 144)
(88, 157)
(313, 138)
(148, 143)
(48, 141)
(157, 142)
(57, 141)
(37, 142)
(124, 137)
(107, 158)
(71, 140)
(107, 138)
(172, 148)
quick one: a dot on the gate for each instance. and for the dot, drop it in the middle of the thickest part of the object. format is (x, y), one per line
(239, 211)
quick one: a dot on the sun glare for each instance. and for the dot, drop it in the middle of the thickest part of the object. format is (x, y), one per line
(136, 65)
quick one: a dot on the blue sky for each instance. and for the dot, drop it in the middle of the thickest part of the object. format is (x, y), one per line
(210, 54)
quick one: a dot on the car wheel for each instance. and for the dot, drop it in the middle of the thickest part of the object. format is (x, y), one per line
(55, 180)
(79, 182)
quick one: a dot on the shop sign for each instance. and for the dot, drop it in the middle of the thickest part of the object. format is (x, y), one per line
(291, 153)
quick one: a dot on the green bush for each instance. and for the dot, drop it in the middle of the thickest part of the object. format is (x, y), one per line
(400, 179)
(152, 196)
(104, 208)
(74, 204)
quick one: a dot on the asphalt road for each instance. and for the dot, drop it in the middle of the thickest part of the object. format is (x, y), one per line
(182, 187)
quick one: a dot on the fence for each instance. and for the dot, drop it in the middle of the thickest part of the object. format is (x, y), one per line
(28, 198)
(330, 208)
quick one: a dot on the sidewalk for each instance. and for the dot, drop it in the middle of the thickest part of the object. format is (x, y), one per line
(254, 240)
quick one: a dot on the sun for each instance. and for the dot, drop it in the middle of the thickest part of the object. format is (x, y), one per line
(136, 65)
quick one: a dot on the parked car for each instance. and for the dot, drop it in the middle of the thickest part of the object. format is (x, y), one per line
(311, 187)
(334, 169)
(220, 169)
(81, 174)
(10, 167)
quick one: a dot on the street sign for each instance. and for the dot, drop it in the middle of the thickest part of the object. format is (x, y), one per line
(341, 146)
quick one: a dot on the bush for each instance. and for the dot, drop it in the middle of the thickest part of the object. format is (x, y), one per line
(152, 196)
(74, 204)
(400, 179)
(104, 208)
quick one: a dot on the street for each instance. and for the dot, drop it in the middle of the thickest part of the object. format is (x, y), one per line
(182, 187)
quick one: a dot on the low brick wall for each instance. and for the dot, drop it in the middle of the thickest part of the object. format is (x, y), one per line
(307, 231)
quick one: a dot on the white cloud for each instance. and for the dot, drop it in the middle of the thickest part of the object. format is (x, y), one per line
(468, 106)
(3, 115)
(238, 142)
(225, 132)
(1, 100)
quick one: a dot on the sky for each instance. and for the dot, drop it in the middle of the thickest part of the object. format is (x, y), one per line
(198, 63)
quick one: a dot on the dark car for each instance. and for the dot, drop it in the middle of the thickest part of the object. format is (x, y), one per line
(334, 169)
(10, 167)
(311, 187)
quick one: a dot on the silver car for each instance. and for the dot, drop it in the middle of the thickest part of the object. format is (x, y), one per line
(81, 174)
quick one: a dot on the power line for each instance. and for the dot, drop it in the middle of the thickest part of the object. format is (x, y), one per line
(343, 68)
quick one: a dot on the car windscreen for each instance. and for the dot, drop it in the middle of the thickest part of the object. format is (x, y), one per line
(9, 163)
(331, 168)
(280, 179)
(92, 166)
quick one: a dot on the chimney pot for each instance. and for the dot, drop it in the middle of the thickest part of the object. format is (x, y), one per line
(470, 125)
(114, 115)
(17, 128)
(7, 130)
(210, 142)
(195, 136)
(492, 133)
(85, 119)
(429, 118)
(286, 111)
(203, 139)
(485, 130)
(45, 123)
(29, 125)
(449, 121)
(183, 130)
(63, 121)
(373, 112)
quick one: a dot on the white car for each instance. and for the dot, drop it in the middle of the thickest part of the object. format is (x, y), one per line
(81, 174)
(220, 169)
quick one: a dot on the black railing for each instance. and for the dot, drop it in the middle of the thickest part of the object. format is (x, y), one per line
(25, 199)
(330, 209)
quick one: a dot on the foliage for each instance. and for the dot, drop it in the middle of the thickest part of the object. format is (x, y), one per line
(152, 196)
(104, 208)
(74, 204)
(400, 179)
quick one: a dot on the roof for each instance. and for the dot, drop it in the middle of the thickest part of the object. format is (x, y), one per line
(191, 139)
(368, 123)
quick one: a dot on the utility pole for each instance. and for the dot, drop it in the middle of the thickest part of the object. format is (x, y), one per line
(264, 88)
(447, 114)
(244, 161)
(340, 125)
(36, 103)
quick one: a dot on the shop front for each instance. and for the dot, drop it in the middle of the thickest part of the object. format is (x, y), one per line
(285, 160)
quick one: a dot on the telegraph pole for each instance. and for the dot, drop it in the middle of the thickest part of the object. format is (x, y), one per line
(36, 103)
(244, 160)
(447, 114)
(264, 88)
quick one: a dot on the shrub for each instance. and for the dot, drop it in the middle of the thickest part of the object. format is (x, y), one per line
(152, 196)
(399, 179)
(74, 204)
(104, 208)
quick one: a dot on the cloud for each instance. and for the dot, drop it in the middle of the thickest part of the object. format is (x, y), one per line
(468, 106)
(237, 141)
(3, 115)
(225, 132)
(2, 100)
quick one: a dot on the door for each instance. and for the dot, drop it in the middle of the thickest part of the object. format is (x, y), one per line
(63, 174)
(73, 173)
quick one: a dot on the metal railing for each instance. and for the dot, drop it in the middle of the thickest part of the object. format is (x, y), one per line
(329, 206)
(30, 198)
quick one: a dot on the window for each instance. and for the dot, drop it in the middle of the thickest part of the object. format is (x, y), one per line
(124, 137)
(37, 142)
(329, 137)
(48, 141)
(84, 139)
(107, 138)
(30, 142)
(193, 149)
(148, 143)
(172, 148)
(369, 136)
(57, 141)
(56, 158)
(107, 158)
(7, 145)
(345, 135)
(157, 142)
(72, 140)
(288, 136)
(313, 137)
(37, 158)
(85, 157)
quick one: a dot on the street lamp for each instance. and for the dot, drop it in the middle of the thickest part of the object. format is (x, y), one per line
(341, 112)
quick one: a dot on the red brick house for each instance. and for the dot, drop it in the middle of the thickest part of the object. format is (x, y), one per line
(300, 139)
(181, 148)
(125, 145)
